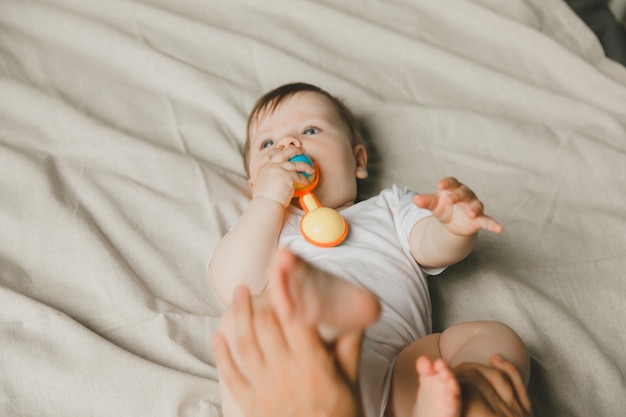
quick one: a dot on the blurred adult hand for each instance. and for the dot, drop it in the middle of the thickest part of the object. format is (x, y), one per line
(283, 369)
(496, 390)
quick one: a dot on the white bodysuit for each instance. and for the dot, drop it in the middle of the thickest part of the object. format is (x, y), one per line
(376, 256)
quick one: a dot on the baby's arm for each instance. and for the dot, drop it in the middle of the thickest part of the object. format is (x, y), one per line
(243, 255)
(450, 234)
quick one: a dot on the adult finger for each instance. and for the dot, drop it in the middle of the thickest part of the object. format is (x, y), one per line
(246, 345)
(298, 334)
(279, 285)
(229, 372)
(269, 335)
(348, 353)
(481, 384)
(516, 380)
(302, 336)
(497, 391)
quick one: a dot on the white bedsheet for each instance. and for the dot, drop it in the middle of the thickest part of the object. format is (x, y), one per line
(121, 130)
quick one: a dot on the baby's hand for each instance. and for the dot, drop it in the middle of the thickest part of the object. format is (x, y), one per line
(457, 208)
(277, 176)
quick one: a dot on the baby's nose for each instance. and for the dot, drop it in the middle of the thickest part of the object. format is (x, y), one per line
(288, 141)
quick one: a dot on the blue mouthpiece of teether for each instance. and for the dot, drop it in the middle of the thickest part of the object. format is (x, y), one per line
(302, 158)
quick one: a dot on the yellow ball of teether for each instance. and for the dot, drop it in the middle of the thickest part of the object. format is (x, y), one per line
(324, 227)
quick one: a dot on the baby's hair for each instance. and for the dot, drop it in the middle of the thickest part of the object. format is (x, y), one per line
(271, 100)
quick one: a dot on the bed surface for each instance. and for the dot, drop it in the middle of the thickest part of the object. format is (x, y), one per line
(121, 132)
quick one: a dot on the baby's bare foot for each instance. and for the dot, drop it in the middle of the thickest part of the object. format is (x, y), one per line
(298, 287)
(439, 392)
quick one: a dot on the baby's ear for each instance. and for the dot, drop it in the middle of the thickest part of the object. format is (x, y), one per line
(360, 156)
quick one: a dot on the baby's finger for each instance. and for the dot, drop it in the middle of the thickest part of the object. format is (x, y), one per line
(273, 155)
(448, 183)
(461, 193)
(285, 154)
(426, 201)
(298, 167)
(475, 209)
(490, 224)
(299, 179)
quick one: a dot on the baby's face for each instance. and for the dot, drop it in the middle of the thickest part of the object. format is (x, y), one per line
(309, 120)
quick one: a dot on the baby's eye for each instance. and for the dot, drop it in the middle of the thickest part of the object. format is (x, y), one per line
(310, 131)
(267, 143)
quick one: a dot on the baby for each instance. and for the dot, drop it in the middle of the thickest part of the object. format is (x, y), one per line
(395, 239)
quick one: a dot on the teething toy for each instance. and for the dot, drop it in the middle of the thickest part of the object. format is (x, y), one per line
(320, 226)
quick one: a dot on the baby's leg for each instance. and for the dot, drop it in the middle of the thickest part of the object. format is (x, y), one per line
(312, 295)
(473, 342)
(405, 381)
(477, 341)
